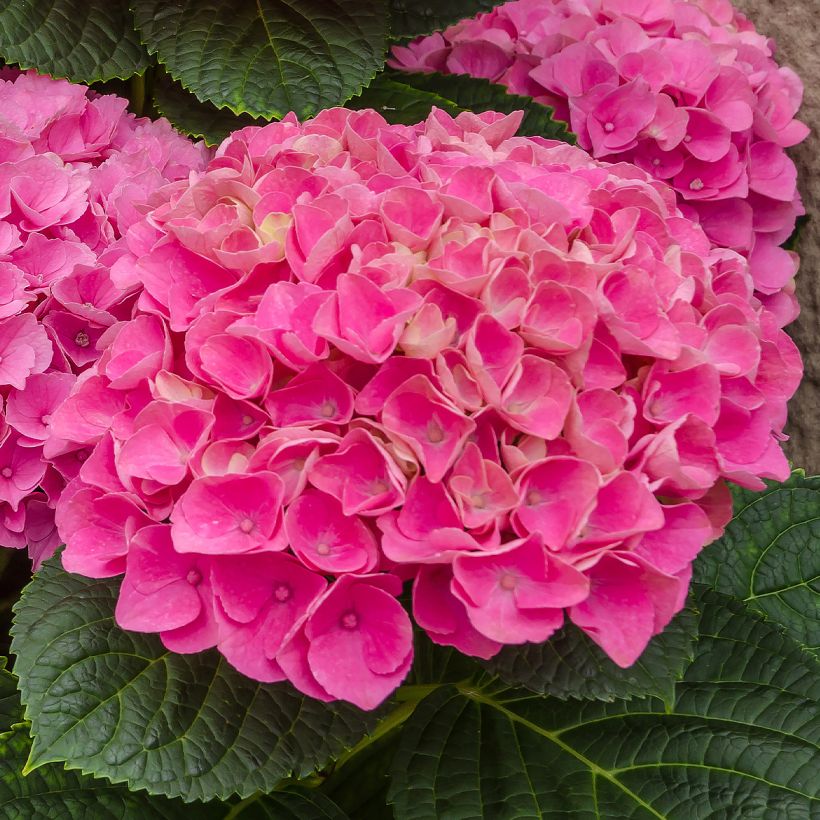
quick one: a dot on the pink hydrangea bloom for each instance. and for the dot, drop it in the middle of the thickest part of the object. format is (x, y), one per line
(686, 89)
(75, 168)
(519, 388)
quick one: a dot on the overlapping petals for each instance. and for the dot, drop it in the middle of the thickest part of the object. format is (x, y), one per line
(351, 365)
(75, 172)
(686, 89)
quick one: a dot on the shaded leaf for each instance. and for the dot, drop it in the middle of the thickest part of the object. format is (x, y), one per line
(439, 664)
(409, 18)
(84, 40)
(119, 705)
(194, 118)
(739, 740)
(52, 793)
(290, 804)
(408, 99)
(267, 57)
(570, 665)
(769, 556)
(360, 785)
(11, 711)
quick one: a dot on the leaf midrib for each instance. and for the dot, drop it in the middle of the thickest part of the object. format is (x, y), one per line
(477, 696)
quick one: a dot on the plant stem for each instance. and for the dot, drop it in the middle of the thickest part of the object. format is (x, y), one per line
(408, 697)
(239, 807)
(415, 692)
(137, 94)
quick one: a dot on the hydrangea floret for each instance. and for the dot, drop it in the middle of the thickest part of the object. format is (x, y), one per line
(686, 89)
(74, 168)
(362, 355)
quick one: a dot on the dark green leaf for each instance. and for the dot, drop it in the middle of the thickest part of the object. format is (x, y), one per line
(800, 228)
(84, 40)
(770, 556)
(740, 740)
(195, 118)
(10, 710)
(52, 793)
(290, 804)
(360, 785)
(439, 664)
(570, 665)
(117, 704)
(409, 18)
(267, 57)
(398, 102)
(408, 98)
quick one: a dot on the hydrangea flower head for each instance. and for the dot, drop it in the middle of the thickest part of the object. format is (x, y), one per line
(74, 170)
(686, 89)
(360, 354)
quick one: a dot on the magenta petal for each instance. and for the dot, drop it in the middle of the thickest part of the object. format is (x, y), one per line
(444, 617)
(558, 496)
(433, 428)
(356, 630)
(517, 593)
(160, 590)
(629, 603)
(325, 538)
(229, 514)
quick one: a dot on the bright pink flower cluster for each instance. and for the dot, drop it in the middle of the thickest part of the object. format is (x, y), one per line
(73, 166)
(365, 354)
(686, 89)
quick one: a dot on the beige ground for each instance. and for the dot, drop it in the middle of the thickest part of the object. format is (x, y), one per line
(795, 24)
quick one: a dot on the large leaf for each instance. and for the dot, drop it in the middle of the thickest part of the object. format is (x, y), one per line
(360, 785)
(740, 740)
(10, 710)
(195, 118)
(770, 556)
(570, 665)
(52, 793)
(291, 804)
(84, 40)
(117, 704)
(409, 18)
(267, 57)
(408, 98)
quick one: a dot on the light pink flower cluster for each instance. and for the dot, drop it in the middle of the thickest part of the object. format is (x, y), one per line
(73, 165)
(367, 354)
(686, 89)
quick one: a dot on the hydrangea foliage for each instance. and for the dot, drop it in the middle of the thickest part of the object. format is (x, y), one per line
(685, 89)
(358, 355)
(75, 166)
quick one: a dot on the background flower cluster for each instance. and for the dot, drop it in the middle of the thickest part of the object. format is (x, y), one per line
(75, 168)
(360, 354)
(685, 89)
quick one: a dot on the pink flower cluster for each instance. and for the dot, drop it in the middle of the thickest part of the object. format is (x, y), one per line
(685, 89)
(367, 354)
(73, 168)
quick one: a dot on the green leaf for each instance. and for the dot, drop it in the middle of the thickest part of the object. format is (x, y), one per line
(439, 664)
(290, 804)
(360, 785)
(52, 793)
(84, 40)
(11, 712)
(409, 18)
(267, 57)
(195, 118)
(570, 665)
(408, 98)
(739, 740)
(117, 704)
(769, 556)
